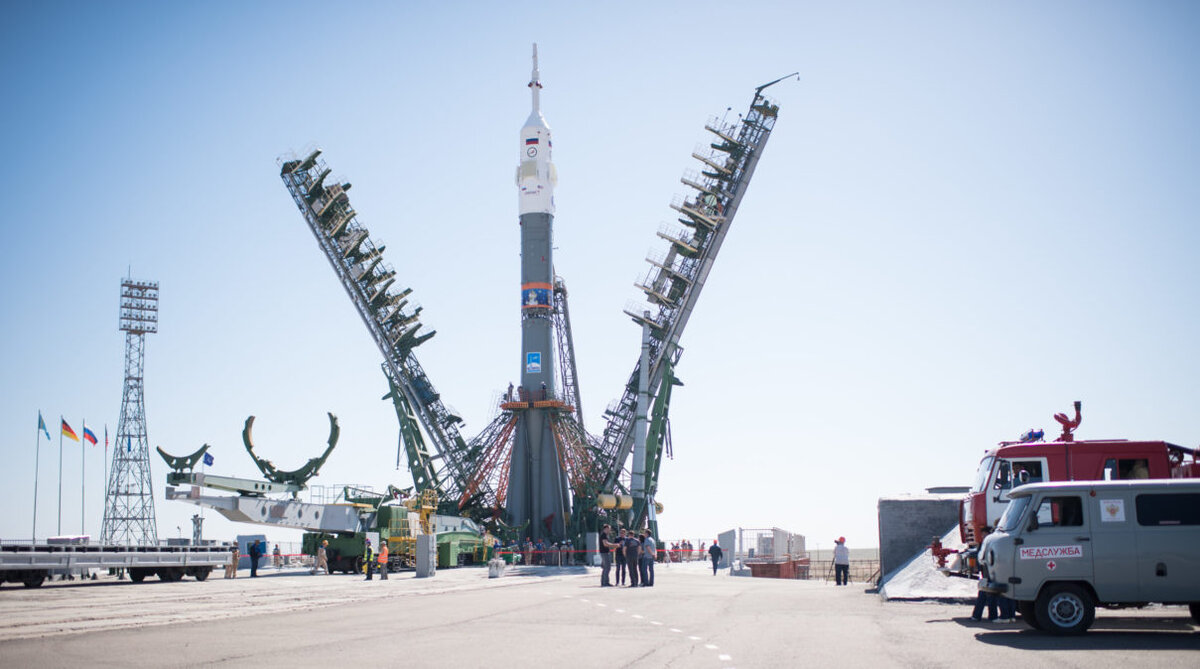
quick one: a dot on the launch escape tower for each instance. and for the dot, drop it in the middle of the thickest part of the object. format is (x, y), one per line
(522, 465)
(129, 499)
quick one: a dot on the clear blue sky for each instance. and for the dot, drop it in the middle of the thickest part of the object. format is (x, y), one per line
(969, 215)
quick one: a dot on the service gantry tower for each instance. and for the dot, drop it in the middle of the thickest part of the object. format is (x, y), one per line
(129, 499)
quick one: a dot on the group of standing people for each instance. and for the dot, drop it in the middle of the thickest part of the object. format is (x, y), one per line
(682, 550)
(552, 554)
(371, 559)
(635, 554)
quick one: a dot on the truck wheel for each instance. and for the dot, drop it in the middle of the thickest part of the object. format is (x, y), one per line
(1194, 607)
(358, 566)
(1028, 614)
(137, 575)
(1064, 608)
(34, 580)
(201, 573)
(170, 574)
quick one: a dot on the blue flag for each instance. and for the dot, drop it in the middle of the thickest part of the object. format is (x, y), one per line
(208, 460)
(42, 426)
(129, 444)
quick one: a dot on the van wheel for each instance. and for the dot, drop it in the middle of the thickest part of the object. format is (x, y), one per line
(1064, 608)
(1029, 614)
(1194, 607)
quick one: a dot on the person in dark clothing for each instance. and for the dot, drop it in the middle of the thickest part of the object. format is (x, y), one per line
(714, 552)
(255, 553)
(620, 557)
(368, 559)
(632, 548)
(605, 557)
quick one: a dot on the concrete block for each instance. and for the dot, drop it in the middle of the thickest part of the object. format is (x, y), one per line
(908, 523)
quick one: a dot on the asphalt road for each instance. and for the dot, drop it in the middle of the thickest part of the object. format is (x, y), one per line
(547, 618)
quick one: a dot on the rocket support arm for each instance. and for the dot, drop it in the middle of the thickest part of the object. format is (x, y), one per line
(689, 269)
(298, 477)
(180, 463)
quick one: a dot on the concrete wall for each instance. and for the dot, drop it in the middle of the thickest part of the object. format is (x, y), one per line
(907, 524)
(728, 542)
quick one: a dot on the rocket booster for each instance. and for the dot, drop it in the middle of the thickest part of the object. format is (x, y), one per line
(536, 175)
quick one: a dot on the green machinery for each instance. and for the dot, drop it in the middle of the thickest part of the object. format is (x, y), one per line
(345, 522)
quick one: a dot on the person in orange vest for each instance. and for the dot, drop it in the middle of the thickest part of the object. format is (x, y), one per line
(383, 559)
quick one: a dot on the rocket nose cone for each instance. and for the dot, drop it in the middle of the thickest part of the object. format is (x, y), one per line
(536, 120)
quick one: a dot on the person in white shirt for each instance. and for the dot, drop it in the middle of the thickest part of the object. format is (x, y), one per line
(649, 551)
(841, 562)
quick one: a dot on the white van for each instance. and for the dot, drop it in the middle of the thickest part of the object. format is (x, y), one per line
(1061, 549)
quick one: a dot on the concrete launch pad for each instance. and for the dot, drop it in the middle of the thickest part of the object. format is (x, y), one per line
(550, 617)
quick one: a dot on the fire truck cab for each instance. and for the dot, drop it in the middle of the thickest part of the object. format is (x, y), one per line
(1014, 464)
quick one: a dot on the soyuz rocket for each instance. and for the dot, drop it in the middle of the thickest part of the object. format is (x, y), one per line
(537, 484)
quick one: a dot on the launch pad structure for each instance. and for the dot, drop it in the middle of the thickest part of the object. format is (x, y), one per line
(534, 469)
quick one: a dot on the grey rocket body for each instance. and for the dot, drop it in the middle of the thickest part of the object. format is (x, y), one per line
(537, 495)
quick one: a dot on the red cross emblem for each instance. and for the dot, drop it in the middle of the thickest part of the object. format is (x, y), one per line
(1051, 565)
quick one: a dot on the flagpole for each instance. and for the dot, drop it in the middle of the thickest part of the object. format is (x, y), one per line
(61, 420)
(83, 481)
(104, 466)
(36, 463)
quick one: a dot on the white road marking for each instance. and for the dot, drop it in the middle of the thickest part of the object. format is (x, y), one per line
(723, 657)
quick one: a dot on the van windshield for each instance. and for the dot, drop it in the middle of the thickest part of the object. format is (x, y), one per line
(982, 474)
(1012, 515)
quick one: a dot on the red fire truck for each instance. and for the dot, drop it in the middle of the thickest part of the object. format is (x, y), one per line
(1031, 460)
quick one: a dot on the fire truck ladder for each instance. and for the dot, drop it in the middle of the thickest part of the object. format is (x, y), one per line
(392, 322)
(675, 278)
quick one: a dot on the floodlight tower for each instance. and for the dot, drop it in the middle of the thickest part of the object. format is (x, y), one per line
(129, 500)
